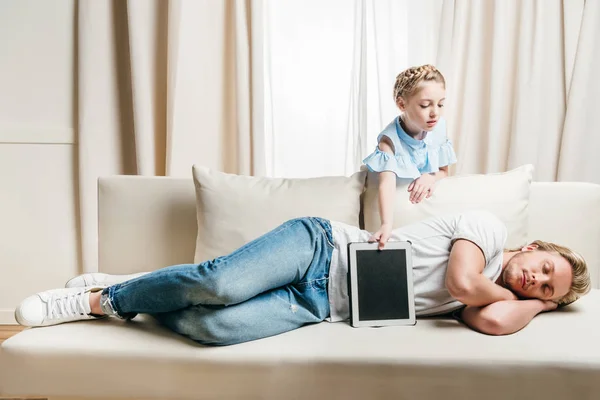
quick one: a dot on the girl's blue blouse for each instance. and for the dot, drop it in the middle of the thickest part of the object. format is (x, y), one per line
(413, 157)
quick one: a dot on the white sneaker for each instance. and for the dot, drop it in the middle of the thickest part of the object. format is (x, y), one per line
(99, 279)
(56, 306)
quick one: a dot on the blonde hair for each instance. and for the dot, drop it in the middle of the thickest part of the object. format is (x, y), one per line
(407, 81)
(581, 283)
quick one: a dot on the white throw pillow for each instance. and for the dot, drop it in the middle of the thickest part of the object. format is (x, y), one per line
(234, 209)
(505, 194)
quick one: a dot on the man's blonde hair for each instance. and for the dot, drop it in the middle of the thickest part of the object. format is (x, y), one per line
(581, 283)
(407, 81)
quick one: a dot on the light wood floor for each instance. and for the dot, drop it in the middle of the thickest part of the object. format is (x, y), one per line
(7, 331)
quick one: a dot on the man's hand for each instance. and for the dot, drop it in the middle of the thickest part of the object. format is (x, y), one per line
(421, 188)
(505, 317)
(549, 305)
(381, 236)
(512, 295)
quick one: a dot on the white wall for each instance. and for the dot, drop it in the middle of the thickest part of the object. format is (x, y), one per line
(38, 229)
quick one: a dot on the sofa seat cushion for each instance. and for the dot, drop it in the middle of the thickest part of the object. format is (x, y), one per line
(556, 356)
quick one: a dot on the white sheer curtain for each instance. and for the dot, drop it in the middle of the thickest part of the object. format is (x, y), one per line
(521, 79)
(330, 68)
(399, 34)
(310, 69)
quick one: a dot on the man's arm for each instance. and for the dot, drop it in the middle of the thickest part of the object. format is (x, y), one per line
(504, 317)
(464, 279)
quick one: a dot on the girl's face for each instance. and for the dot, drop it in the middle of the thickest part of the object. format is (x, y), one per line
(423, 109)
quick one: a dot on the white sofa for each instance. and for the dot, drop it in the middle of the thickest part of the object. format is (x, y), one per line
(149, 222)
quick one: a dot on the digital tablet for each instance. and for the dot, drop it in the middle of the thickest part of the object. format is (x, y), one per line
(380, 284)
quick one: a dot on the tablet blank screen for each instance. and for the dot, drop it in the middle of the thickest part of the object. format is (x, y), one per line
(382, 285)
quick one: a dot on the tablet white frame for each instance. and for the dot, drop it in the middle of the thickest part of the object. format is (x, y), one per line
(353, 247)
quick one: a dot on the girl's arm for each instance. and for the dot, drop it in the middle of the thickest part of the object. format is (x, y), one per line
(504, 317)
(422, 187)
(387, 196)
(441, 174)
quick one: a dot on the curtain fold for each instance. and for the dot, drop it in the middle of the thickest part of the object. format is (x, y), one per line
(103, 131)
(147, 31)
(302, 88)
(519, 82)
(330, 68)
(399, 34)
(580, 146)
(162, 85)
(210, 77)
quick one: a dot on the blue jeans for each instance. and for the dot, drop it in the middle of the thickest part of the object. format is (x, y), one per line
(274, 284)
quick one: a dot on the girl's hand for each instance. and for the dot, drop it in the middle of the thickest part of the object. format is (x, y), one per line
(381, 236)
(421, 188)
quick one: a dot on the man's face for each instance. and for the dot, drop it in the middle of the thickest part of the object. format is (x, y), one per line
(538, 274)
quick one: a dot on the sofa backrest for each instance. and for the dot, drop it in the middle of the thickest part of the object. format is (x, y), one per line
(568, 213)
(147, 223)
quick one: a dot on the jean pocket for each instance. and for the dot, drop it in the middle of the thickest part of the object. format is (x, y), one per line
(314, 284)
(325, 227)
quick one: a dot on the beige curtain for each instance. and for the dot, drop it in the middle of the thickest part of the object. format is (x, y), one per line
(580, 146)
(162, 85)
(521, 86)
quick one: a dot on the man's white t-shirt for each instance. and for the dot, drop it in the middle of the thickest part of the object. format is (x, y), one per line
(431, 241)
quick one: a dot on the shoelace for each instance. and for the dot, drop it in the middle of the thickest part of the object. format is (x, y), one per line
(69, 305)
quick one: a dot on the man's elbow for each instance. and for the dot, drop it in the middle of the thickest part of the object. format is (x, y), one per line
(493, 328)
(493, 325)
(461, 289)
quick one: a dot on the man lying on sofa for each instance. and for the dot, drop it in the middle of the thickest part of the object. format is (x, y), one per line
(296, 275)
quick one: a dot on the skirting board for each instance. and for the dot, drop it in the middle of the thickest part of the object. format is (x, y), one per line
(36, 135)
(7, 317)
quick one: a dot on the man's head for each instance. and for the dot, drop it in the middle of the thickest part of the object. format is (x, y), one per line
(547, 271)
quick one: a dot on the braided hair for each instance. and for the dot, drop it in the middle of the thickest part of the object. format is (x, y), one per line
(407, 81)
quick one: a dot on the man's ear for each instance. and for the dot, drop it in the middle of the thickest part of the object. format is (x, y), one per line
(529, 247)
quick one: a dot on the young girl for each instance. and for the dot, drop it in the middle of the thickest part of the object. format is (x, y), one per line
(414, 145)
